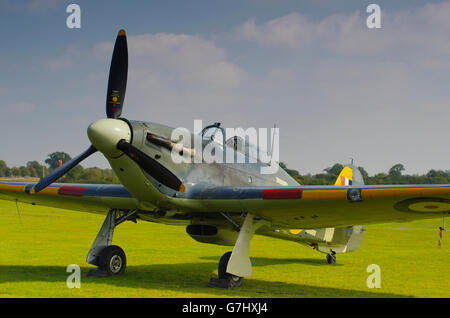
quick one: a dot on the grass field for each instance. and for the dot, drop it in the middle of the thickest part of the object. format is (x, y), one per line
(164, 262)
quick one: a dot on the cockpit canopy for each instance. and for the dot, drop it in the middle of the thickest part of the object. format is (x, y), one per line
(213, 133)
(217, 134)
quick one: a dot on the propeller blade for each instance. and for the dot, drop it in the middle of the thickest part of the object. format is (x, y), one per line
(117, 82)
(151, 166)
(59, 172)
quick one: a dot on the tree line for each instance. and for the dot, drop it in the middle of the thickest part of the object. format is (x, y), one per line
(96, 175)
(78, 174)
(393, 176)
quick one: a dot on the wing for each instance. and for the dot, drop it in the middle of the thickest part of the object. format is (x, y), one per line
(326, 206)
(95, 198)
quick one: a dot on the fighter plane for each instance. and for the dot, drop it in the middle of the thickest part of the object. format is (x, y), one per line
(219, 203)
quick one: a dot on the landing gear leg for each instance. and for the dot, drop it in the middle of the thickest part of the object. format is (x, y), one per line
(331, 258)
(110, 259)
(239, 263)
(234, 266)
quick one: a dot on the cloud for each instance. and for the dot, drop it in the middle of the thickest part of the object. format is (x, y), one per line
(296, 30)
(423, 30)
(71, 57)
(195, 61)
(177, 74)
(293, 30)
(379, 96)
(60, 63)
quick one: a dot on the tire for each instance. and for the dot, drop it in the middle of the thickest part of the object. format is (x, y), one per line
(113, 260)
(222, 271)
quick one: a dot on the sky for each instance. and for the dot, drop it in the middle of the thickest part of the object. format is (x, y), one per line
(335, 88)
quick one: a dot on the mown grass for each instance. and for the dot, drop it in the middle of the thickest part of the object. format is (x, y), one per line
(163, 261)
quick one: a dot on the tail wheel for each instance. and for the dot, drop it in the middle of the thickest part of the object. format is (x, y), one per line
(331, 258)
(222, 271)
(113, 260)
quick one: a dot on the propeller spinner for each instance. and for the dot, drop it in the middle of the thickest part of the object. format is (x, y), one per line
(112, 136)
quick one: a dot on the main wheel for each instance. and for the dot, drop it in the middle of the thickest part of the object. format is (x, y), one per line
(113, 260)
(222, 271)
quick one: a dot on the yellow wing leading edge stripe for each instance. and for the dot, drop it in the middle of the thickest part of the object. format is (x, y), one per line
(12, 187)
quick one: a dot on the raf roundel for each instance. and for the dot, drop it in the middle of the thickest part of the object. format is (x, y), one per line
(424, 205)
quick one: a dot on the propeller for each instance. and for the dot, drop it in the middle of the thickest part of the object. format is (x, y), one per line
(59, 172)
(117, 82)
(151, 166)
(103, 132)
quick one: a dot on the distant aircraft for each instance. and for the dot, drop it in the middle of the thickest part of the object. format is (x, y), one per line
(219, 203)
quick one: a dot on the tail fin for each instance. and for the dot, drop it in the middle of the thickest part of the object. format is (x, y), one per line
(350, 175)
(345, 239)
